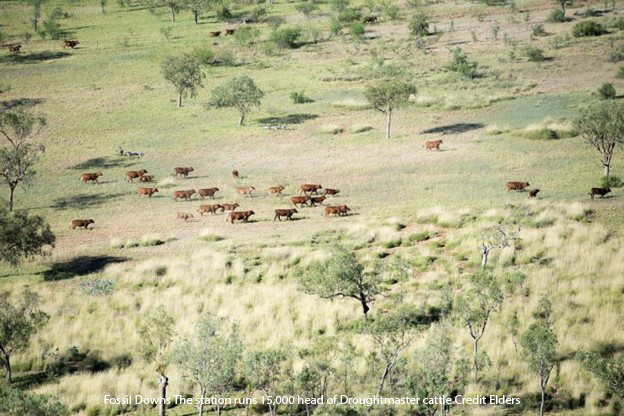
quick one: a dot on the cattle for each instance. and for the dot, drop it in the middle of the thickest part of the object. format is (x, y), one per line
(330, 191)
(90, 177)
(187, 194)
(245, 190)
(70, 44)
(183, 216)
(276, 190)
(229, 32)
(288, 213)
(516, 186)
(209, 208)
(533, 193)
(132, 174)
(14, 48)
(317, 200)
(239, 216)
(433, 144)
(146, 178)
(215, 33)
(599, 191)
(182, 172)
(301, 200)
(309, 188)
(229, 207)
(370, 19)
(235, 174)
(147, 191)
(81, 224)
(207, 192)
(337, 210)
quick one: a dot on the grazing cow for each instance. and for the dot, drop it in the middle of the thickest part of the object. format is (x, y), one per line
(239, 216)
(132, 174)
(147, 191)
(184, 216)
(533, 193)
(210, 208)
(317, 200)
(310, 188)
(276, 190)
(182, 172)
(235, 174)
(90, 177)
(370, 19)
(70, 44)
(288, 213)
(146, 178)
(81, 224)
(14, 48)
(188, 194)
(599, 191)
(330, 191)
(215, 33)
(229, 32)
(301, 200)
(245, 190)
(229, 207)
(433, 144)
(516, 186)
(207, 192)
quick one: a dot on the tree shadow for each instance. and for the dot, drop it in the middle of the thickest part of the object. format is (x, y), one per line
(21, 103)
(79, 266)
(28, 380)
(103, 163)
(30, 58)
(83, 201)
(457, 128)
(289, 119)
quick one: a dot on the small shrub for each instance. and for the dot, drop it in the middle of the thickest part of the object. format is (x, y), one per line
(587, 28)
(335, 26)
(350, 15)
(339, 5)
(224, 57)
(558, 42)
(611, 182)
(97, 287)
(616, 54)
(618, 24)
(356, 29)
(51, 29)
(556, 16)
(607, 91)
(461, 65)
(419, 25)
(307, 7)
(204, 55)
(419, 236)
(591, 13)
(166, 32)
(333, 130)
(286, 37)
(223, 14)
(360, 129)
(620, 72)
(534, 54)
(538, 30)
(300, 98)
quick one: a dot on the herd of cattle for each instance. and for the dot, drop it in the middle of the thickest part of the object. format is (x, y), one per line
(16, 47)
(309, 195)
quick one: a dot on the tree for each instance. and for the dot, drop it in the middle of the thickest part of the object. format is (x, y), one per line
(475, 307)
(263, 370)
(16, 402)
(341, 276)
(197, 7)
(240, 93)
(419, 25)
(103, 5)
(538, 346)
(563, 4)
(392, 333)
(609, 370)
(22, 236)
(210, 358)
(18, 323)
(388, 96)
(184, 72)
(156, 332)
(495, 238)
(36, 5)
(17, 160)
(602, 126)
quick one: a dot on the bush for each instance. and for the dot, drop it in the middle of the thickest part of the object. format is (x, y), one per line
(620, 72)
(350, 15)
(97, 287)
(335, 27)
(52, 29)
(538, 30)
(556, 16)
(587, 28)
(591, 13)
(356, 29)
(616, 54)
(286, 37)
(224, 57)
(607, 91)
(224, 14)
(300, 98)
(619, 23)
(339, 5)
(534, 54)
(204, 55)
(461, 65)
(419, 25)
(611, 182)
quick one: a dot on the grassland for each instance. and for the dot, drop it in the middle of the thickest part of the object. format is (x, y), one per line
(109, 93)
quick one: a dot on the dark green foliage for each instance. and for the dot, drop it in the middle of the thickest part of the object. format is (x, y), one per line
(611, 182)
(356, 29)
(619, 23)
(22, 236)
(607, 91)
(587, 28)
(538, 30)
(534, 54)
(556, 16)
(75, 361)
(286, 37)
(620, 72)
(240, 93)
(184, 72)
(461, 65)
(609, 370)
(419, 24)
(389, 95)
(16, 402)
(51, 29)
(300, 97)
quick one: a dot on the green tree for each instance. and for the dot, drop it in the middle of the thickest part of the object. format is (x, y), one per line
(263, 370)
(36, 12)
(602, 126)
(18, 323)
(197, 7)
(185, 73)
(609, 370)
(475, 307)
(210, 358)
(17, 160)
(341, 276)
(387, 96)
(156, 332)
(240, 93)
(563, 4)
(103, 4)
(419, 25)
(22, 236)
(16, 402)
